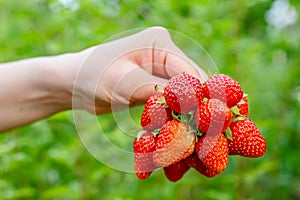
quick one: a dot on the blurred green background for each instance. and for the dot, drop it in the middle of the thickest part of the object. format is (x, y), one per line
(255, 42)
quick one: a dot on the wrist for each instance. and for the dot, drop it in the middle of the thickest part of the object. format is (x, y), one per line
(63, 70)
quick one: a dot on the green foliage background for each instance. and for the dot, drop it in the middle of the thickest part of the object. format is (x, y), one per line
(46, 160)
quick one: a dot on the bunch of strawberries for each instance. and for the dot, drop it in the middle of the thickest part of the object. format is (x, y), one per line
(195, 125)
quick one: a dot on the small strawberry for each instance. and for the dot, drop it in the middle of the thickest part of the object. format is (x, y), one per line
(174, 143)
(246, 140)
(155, 114)
(213, 152)
(194, 162)
(213, 116)
(176, 171)
(183, 92)
(143, 148)
(223, 87)
(242, 107)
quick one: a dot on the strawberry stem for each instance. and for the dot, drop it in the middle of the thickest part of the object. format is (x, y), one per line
(175, 116)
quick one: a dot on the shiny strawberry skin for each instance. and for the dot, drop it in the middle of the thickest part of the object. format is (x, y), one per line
(176, 171)
(183, 92)
(213, 116)
(194, 162)
(213, 152)
(174, 143)
(143, 148)
(155, 114)
(247, 139)
(223, 87)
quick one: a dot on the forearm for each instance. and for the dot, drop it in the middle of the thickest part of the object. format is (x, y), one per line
(36, 88)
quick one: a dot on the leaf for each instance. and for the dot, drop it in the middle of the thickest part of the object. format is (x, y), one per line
(228, 134)
(235, 110)
(140, 133)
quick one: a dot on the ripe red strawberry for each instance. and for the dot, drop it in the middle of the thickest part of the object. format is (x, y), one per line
(246, 139)
(194, 162)
(143, 148)
(223, 87)
(242, 107)
(213, 152)
(174, 143)
(155, 114)
(183, 92)
(176, 171)
(213, 116)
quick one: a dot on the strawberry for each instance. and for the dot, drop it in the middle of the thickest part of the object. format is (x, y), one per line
(194, 162)
(223, 87)
(174, 143)
(213, 116)
(183, 92)
(143, 148)
(155, 114)
(246, 139)
(242, 107)
(213, 152)
(176, 171)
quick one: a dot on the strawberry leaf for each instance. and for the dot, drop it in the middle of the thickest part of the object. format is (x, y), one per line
(158, 89)
(139, 134)
(228, 134)
(161, 100)
(184, 119)
(205, 99)
(155, 132)
(239, 118)
(235, 110)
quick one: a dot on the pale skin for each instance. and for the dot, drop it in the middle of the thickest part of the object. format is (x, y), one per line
(122, 72)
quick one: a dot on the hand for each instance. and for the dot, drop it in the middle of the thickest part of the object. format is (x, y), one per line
(124, 72)
(104, 78)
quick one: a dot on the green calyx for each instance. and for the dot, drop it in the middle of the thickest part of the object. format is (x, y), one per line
(239, 118)
(162, 101)
(235, 110)
(187, 119)
(158, 89)
(228, 133)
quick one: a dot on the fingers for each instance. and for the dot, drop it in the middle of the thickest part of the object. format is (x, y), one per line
(167, 60)
(136, 85)
(177, 64)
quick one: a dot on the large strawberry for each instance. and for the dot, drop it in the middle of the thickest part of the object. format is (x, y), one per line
(223, 87)
(176, 171)
(194, 162)
(143, 148)
(183, 92)
(174, 143)
(155, 114)
(246, 139)
(213, 152)
(213, 116)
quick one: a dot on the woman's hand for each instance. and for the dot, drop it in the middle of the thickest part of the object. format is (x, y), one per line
(104, 78)
(124, 72)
